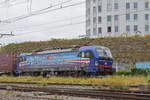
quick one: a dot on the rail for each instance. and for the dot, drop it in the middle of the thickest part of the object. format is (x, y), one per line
(90, 93)
(65, 84)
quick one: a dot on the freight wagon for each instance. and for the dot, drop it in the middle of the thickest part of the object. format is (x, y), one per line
(74, 61)
(8, 63)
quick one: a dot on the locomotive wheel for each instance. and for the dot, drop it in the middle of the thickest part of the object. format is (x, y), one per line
(27, 74)
(69, 73)
(75, 74)
(36, 73)
(66, 73)
(56, 73)
(81, 73)
(44, 74)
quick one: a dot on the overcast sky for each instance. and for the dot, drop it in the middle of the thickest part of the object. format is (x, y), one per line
(62, 23)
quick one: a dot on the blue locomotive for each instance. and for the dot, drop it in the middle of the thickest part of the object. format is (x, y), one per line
(75, 61)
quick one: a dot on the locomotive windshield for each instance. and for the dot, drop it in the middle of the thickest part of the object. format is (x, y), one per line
(22, 59)
(104, 53)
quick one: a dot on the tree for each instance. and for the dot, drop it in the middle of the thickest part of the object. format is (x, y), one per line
(137, 32)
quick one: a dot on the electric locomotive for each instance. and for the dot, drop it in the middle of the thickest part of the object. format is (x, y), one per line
(75, 61)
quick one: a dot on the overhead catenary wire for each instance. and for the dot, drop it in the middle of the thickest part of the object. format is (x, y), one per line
(126, 13)
(50, 32)
(54, 27)
(50, 10)
(61, 8)
(5, 1)
(42, 11)
(14, 19)
(70, 23)
(12, 3)
(43, 24)
(61, 26)
(51, 27)
(79, 16)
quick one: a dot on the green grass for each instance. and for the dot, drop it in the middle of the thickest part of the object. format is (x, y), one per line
(109, 80)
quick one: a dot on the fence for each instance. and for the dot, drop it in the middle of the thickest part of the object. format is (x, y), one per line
(122, 66)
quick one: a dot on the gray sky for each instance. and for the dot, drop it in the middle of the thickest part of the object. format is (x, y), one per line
(62, 23)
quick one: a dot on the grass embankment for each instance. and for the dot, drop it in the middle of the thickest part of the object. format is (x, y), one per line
(124, 49)
(110, 80)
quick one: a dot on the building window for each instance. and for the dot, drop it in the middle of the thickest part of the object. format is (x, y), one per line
(135, 28)
(135, 16)
(128, 28)
(116, 17)
(116, 29)
(109, 18)
(99, 30)
(88, 22)
(94, 20)
(94, 11)
(146, 28)
(127, 16)
(135, 5)
(100, 1)
(94, 31)
(109, 5)
(88, 11)
(88, 32)
(146, 16)
(99, 8)
(99, 19)
(146, 4)
(127, 5)
(109, 29)
(116, 6)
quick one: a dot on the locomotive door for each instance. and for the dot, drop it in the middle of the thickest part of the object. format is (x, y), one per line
(85, 60)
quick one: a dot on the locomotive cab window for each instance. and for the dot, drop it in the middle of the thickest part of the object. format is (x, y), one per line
(22, 59)
(104, 53)
(86, 54)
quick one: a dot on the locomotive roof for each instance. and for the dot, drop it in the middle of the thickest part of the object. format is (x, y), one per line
(92, 47)
(62, 50)
(46, 52)
(96, 46)
(54, 51)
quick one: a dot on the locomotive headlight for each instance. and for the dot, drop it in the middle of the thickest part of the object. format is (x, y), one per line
(96, 63)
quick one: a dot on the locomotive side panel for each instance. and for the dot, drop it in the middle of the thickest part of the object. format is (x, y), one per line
(7, 63)
(61, 61)
(87, 60)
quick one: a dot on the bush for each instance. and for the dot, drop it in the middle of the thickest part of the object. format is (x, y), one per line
(120, 87)
(122, 72)
(148, 71)
(134, 71)
(43, 84)
(139, 71)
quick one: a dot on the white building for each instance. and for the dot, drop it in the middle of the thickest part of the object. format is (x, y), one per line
(116, 17)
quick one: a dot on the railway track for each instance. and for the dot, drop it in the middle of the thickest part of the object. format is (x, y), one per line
(90, 93)
(39, 98)
(61, 84)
